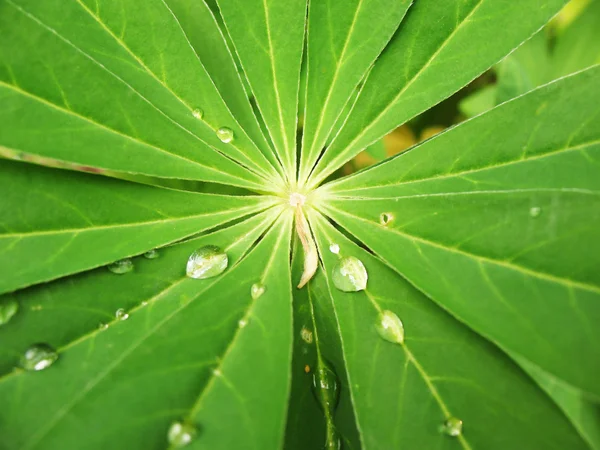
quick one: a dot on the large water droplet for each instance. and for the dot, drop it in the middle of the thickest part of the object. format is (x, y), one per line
(206, 262)
(151, 254)
(326, 387)
(198, 113)
(225, 134)
(335, 249)
(390, 327)
(121, 314)
(535, 211)
(257, 290)
(181, 434)
(122, 266)
(8, 308)
(38, 357)
(350, 275)
(452, 427)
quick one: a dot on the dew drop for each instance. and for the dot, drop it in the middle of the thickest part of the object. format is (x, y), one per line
(535, 211)
(181, 434)
(151, 254)
(121, 314)
(206, 262)
(122, 266)
(103, 326)
(242, 323)
(38, 357)
(335, 249)
(326, 388)
(257, 290)
(390, 327)
(386, 218)
(452, 427)
(306, 335)
(350, 275)
(225, 134)
(198, 113)
(8, 308)
(333, 440)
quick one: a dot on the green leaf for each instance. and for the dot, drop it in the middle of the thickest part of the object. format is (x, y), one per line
(52, 69)
(65, 222)
(268, 36)
(335, 70)
(498, 239)
(440, 47)
(583, 413)
(203, 32)
(216, 372)
(441, 370)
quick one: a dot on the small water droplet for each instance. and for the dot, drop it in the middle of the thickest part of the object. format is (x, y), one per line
(452, 427)
(306, 335)
(333, 440)
(242, 323)
(198, 113)
(335, 249)
(145, 303)
(38, 357)
(181, 434)
(350, 275)
(8, 308)
(151, 254)
(535, 211)
(257, 290)
(206, 262)
(121, 314)
(225, 134)
(103, 326)
(386, 218)
(122, 266)
(326, 387)
(217, 372)
(390, 327)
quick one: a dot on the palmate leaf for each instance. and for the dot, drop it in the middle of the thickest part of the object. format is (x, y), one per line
(481, 240)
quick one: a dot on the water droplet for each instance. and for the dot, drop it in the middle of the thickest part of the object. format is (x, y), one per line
(38, 357)
(335, 249)
(181, 434)
(350, 275)
(122, 266)
(8, 308)
(103, 326)
(326, 387)
(257, 290)
(390, 327)
(452, 427)
(206, 262)
(121, 314)
(306, 335)
(145, 303)
(225, 134)
(198, 113)
(242, 323)
(386, 218)
(333, 439)
(535, 211)
(217, 372)
(151, 254)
